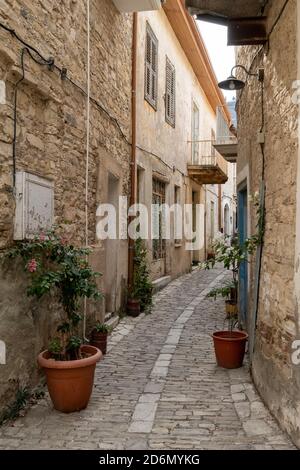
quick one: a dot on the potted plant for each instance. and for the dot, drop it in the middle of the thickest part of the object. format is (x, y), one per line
(229, 344)
(99, 336)
(140, 292)
(229, 292)
(133, 303)
(56, 267)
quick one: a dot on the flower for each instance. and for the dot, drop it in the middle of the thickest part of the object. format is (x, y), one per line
(55, 269)
(32, 265)
(42, 237)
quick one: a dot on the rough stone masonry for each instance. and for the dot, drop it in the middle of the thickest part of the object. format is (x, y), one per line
(277, 379)
(51, 142)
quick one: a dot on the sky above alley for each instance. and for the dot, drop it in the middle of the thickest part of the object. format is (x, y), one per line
(221, 55)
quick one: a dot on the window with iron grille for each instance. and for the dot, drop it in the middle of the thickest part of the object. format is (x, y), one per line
(151, 63)
(170, 93)
(158, 198)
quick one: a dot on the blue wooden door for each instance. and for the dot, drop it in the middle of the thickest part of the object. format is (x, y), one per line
(243, 272)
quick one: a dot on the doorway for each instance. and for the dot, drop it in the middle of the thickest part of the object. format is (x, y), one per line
(226, 220)
(158, 242)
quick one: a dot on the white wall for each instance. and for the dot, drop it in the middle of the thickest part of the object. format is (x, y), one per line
(167, 150)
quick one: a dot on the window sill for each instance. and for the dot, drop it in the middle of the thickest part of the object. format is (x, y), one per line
(177, 245)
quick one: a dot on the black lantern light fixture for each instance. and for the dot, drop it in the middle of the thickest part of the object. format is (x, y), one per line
(232, 83)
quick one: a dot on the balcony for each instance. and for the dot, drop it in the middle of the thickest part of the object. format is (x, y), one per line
(224, 8)
(126, 6)
(207, 166)
(226, 142)
(243, 18)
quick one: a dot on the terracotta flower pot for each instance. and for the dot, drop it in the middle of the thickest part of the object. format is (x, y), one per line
(70, 383)
(133, 307)
(99, 340)
(230, 348)
(231, 308)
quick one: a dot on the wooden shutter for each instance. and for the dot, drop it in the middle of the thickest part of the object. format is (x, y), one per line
(170, 93)
(151, 63)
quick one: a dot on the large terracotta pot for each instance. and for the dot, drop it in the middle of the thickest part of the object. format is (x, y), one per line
(133, 307)
(230, 348)
(99, 340)
(70, 383)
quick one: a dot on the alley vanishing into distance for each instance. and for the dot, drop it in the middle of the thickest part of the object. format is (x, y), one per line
(159, 387)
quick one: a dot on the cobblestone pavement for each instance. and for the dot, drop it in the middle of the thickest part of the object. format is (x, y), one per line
(159, 387)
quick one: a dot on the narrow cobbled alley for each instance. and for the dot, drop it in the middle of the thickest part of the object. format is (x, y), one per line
(159, 387)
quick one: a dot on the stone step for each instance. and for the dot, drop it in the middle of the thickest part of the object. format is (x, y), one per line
(111, 320)
(160, 283)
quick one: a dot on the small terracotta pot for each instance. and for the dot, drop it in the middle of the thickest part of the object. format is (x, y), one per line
(133, 307)
(70, 383)
(231, 308)
(230, 348)
(99, 340)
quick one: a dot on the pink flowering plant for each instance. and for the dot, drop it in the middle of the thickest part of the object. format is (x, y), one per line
(55, 266)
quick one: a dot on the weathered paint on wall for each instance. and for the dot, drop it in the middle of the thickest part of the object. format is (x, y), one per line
(166, 150)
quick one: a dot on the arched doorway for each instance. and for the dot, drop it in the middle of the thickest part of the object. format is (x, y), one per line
(226, 220)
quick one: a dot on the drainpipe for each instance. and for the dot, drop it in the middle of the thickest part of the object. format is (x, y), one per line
(133, 167)
(88, 78)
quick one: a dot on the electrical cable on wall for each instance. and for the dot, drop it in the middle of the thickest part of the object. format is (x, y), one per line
(43, 61)
(88, 80)
(50, 62)
(160, 159)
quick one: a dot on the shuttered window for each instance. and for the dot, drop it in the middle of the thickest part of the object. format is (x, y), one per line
(170, 93)
(151, 56)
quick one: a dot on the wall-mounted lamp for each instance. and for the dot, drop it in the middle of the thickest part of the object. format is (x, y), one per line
(232, 83)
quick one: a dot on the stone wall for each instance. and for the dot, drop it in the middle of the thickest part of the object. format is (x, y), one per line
(51, 141)
(276, 378)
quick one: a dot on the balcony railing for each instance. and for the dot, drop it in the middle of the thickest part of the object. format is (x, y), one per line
(226, 141)
(207, 166)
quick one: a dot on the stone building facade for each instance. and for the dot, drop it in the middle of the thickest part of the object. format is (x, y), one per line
(52, 143)
(276, 162)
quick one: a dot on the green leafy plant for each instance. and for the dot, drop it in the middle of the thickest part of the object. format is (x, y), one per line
(141, 288)
(231, 254)
(57, 267)
(102, 328)
(222, 291)
(13, 411)
(258, 238)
